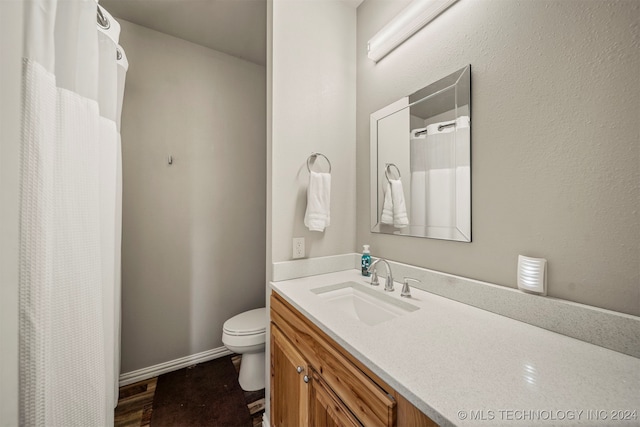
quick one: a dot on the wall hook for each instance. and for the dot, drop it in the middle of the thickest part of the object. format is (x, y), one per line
(170, 160)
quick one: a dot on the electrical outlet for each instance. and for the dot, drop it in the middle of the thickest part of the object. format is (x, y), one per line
(298, 247)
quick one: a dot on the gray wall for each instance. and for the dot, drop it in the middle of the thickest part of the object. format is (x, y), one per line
(555, 139)
(312, 109)
(11, 39)
(194, 232)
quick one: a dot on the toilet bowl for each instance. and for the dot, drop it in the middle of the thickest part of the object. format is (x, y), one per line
(245, 334)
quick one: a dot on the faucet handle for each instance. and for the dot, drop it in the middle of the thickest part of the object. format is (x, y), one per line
(406, 290)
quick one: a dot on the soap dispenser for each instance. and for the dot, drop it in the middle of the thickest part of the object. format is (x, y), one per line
(366, 261)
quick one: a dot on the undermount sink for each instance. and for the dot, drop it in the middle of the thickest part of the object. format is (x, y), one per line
(362, 303)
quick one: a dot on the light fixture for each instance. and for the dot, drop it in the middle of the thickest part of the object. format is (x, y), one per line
(415, 16)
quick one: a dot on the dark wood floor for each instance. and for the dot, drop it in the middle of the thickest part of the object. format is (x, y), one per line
(135, 403)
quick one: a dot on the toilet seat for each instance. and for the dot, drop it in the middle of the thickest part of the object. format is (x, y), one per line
(245, 334)
(252, 322)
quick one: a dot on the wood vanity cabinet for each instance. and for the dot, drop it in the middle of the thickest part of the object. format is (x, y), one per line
(325, 408)
(287, 385)
(315, 382)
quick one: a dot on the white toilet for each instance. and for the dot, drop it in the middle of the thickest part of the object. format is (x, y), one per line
(245, 334)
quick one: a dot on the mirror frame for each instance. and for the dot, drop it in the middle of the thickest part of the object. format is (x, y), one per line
(405, 102)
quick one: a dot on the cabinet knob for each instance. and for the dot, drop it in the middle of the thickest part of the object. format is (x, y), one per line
(305, 378)
(299, 369)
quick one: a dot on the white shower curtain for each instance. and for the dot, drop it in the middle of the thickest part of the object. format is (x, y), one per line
(440, 176)
(70, 218)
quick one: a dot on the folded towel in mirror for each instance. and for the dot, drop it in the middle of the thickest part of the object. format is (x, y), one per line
(387, 207)
(400, 218)
(394, 209)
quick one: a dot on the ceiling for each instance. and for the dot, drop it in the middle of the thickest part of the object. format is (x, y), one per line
(235, 27)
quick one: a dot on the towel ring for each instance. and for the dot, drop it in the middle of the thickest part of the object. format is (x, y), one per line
(315, 156)
(386, 171)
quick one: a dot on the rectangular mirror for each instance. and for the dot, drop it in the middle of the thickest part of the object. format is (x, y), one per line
(421, 162)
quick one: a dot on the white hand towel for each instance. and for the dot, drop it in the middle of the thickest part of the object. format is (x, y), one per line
(317, 217)
(400, 219)
(387, 207)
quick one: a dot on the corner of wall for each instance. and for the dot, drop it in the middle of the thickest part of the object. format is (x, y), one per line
(269, 233)
(11, 41)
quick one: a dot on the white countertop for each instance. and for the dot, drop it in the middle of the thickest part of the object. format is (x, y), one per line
(465, 366)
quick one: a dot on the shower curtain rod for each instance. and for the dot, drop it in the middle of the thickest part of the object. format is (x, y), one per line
(102, 20)
(453, 123)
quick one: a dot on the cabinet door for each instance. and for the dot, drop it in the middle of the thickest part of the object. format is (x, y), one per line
(325, 408)
(366, 399)
(289, 392)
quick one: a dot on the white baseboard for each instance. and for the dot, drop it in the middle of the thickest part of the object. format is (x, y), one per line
(172, 365)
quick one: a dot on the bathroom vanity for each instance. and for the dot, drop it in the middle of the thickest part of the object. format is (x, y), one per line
(429, 360)
(318, 383)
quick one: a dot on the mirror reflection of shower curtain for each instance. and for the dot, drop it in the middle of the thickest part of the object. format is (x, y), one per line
(69, 216)
(438, 170)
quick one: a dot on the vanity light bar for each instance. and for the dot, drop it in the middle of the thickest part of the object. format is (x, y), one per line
(415, 16)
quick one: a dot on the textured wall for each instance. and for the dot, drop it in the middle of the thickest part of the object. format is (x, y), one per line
(555, 139)
(194, 232)
(312, 109)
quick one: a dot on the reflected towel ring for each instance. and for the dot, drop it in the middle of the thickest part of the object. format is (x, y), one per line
(386, 171)
(314, 156)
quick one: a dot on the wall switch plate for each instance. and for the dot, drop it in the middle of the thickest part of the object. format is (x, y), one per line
(532, 275)
(298, 247)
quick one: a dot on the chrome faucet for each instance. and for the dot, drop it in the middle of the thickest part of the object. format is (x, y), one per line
(388, 286)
